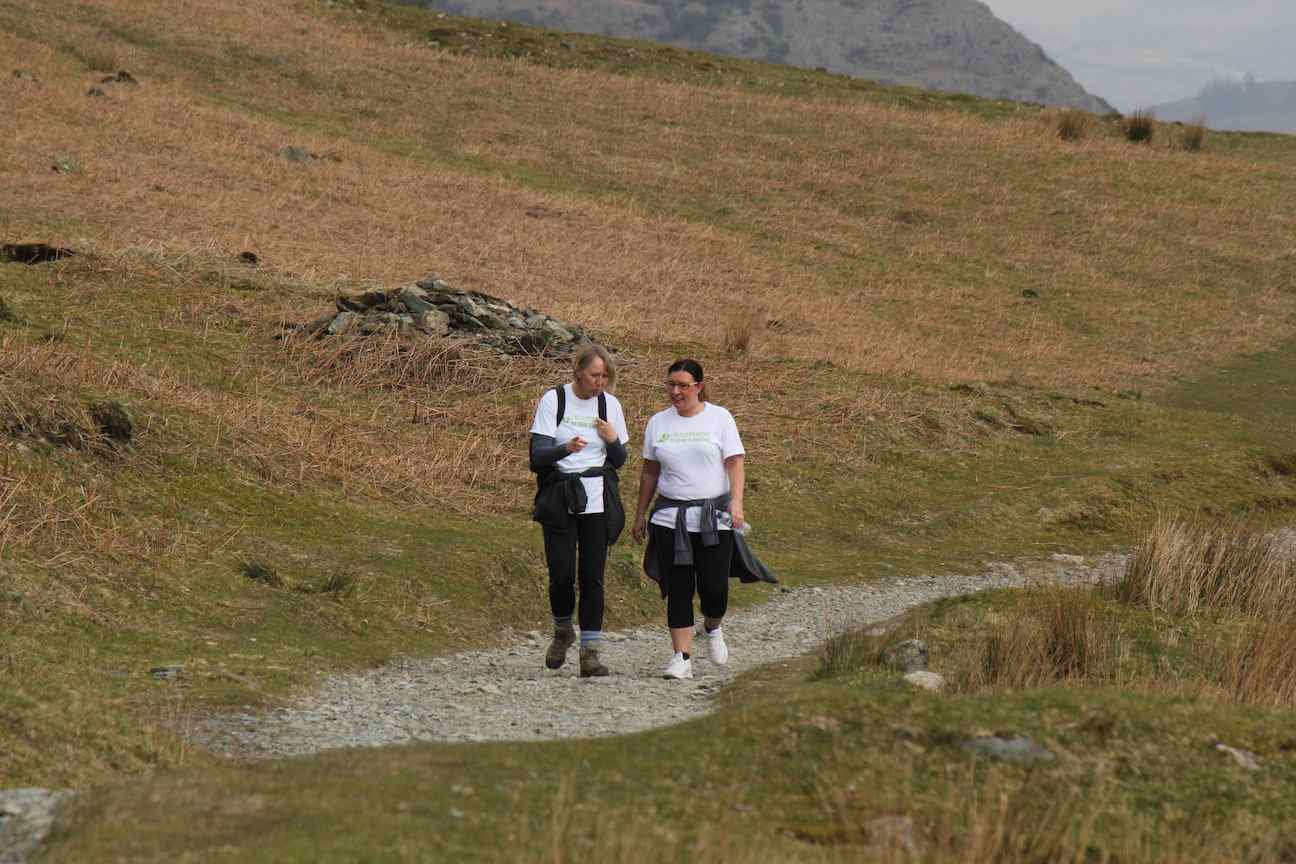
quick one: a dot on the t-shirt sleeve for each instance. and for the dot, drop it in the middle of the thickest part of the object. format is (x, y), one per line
(649, 452)
(546, 416)
(730, 443)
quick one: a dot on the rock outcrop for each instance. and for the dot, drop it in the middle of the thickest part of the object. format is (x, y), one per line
(432, 308)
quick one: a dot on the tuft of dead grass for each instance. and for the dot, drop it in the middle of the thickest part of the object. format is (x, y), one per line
(1072, 124)
(1257, 665)
(1195, 567)
(1052, 635)
(1139, 127)
(100, 56)
(1193, 135)
(742, 327)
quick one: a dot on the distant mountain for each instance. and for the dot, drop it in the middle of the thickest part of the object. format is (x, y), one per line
(1243, 105)
(954, 45)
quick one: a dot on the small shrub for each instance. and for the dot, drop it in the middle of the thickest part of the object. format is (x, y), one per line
(259, 571)
(741, 329)
(1194, 135)
(1072, 124)
(1139, 127)
(7, 314)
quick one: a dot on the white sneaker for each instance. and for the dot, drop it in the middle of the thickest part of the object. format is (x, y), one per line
(679, 668)
(717, 650)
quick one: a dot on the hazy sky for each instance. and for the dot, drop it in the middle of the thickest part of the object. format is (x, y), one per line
(1138, 53)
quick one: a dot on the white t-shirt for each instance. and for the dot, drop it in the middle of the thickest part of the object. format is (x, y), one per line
(578, 421)
(691, 451)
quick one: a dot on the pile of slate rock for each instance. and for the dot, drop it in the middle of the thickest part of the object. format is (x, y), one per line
(431, 308)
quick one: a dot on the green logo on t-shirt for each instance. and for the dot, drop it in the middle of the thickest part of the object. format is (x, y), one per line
(683, 437)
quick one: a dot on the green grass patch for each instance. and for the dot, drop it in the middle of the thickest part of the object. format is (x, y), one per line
(791, 770)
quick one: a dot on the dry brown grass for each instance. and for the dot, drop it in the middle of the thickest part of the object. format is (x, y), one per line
(743, 327)
(1052, 635)
(101, 56)
(1196, 567)
(380, 418)
(1071, 124)
(1139, 127)
(1243, 579)
(722, 199)
(1223, 598)
(1193, 136)
(411, 450)
(1257, 665)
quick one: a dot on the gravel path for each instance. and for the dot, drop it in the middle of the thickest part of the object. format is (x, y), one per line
(506, 694)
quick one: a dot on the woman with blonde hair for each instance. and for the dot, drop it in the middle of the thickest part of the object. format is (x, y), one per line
(578, 439)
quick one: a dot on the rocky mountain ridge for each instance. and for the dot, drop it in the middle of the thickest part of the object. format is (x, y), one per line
(952, 45)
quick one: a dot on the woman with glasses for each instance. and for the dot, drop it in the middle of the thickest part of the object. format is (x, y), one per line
(578, 440)
(693, 463)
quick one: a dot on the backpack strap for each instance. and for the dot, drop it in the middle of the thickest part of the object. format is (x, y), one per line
(561, 392)
(603, 406)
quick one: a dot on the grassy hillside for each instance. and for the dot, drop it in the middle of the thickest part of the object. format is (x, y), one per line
(970, 340)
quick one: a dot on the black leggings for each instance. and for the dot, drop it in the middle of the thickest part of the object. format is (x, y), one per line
(590, 531)
(708, 577)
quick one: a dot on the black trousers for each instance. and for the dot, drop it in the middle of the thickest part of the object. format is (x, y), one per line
(708, 577)
(589, 533)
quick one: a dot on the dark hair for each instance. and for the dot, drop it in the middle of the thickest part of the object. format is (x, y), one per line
(689, 365)
(692, 367)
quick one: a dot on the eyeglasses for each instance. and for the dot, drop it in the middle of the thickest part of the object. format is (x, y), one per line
(676, 385)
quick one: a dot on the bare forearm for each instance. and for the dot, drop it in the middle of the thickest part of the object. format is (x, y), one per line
(648, 475)
(737, 479)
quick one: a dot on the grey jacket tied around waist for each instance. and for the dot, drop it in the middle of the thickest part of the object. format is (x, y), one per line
(710, 508)
(561, 497)
(744, 565)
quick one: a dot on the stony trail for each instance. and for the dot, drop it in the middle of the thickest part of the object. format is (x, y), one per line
(506, 694)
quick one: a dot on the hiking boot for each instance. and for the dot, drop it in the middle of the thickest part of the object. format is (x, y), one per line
(717, 650)
(590, 667)
(679, 668)
(556, 655)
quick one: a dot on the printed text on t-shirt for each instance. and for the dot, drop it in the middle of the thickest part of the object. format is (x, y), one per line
(683, 436)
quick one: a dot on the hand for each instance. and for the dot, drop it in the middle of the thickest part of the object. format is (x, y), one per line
(606, 430)
(640, 529)
(575, 445)
(736, 516)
